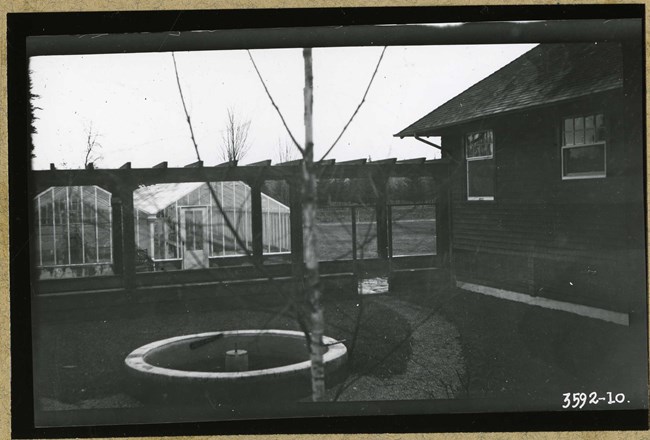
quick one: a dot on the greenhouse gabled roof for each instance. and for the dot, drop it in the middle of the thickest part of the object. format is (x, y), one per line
(154, 198)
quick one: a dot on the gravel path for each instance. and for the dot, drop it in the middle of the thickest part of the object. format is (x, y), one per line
(434, 369)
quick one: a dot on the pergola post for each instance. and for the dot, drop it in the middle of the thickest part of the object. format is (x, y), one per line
(116, 215)
(381, 210)
(256, 221)
(128, 236)
(295, 218)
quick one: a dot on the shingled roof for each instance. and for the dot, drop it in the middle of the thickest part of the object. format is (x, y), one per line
(548, 73)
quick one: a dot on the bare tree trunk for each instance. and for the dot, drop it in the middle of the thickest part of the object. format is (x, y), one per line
(312, 279)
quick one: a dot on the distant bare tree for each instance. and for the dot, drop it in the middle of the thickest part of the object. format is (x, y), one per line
(286, 151)
(234, 140)
(92, 147)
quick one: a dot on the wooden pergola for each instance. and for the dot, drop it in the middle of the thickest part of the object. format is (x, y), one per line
(94, 35)
(122, 182)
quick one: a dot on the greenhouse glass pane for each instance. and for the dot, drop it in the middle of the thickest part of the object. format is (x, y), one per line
(199, 223)
(275, 234)
(47, 228)
(61, 224)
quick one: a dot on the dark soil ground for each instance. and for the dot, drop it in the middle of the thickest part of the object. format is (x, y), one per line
(520, 353)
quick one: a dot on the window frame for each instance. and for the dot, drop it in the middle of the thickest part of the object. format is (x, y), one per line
(597, 142)
(468, 159)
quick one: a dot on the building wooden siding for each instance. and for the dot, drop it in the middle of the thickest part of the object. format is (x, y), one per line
(543, 235)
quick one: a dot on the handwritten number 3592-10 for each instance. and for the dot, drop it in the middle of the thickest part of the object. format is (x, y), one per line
(579, 400)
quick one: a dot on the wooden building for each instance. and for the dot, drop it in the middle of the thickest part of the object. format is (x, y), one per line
(547, 179)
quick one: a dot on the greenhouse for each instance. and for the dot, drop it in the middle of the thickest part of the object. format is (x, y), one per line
(74, 232)
(178, 225)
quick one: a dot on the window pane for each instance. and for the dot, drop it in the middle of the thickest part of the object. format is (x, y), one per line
(579, 124)
(74, 213)
(75, 204)
(600, 128)
(88, 196)
(61, 222)
(47, 228)
(568, 132)
(189, 230)
(218, 247)
(580, 160)
(579, 131)
(159, 238)
(480, 178)
(204, 195)
(170, 228)
(193, 197)
(103, 227)
(590, 130)
(198, 230)
(583, 130)
(90, 245)
(479, 144)
(76, 244)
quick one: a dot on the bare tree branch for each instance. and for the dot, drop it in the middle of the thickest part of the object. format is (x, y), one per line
(285, 151)
(234, 145)
(372, 78)
(259, 75)
(187, 114)
(92, 145)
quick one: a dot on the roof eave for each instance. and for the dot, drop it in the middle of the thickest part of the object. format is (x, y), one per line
(437, 129)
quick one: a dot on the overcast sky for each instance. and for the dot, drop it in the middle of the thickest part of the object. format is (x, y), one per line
(132, 101)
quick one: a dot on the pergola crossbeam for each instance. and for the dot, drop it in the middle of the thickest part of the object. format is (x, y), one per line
(161, 174)
(263, 163)
(122, 183)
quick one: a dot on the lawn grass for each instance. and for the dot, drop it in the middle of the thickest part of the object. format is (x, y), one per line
(81, 357)
(410, 237)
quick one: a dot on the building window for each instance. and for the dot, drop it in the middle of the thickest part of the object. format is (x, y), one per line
(479, 151)
(584, 151)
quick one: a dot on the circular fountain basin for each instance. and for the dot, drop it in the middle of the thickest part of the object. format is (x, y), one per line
(193, 367)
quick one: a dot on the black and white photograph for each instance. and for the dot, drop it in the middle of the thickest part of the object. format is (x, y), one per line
(261, 220)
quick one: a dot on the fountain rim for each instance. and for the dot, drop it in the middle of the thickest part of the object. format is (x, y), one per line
(136, 359)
